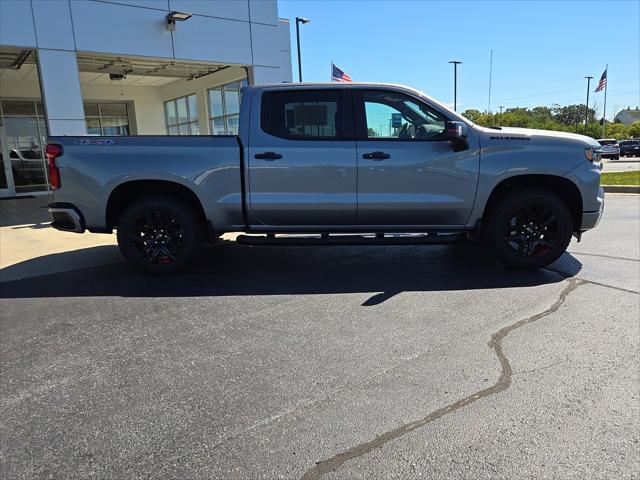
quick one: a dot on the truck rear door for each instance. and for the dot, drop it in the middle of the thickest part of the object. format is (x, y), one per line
(302, 164)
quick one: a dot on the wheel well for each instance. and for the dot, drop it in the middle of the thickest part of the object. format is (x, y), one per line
(123, 195)
(562, 187)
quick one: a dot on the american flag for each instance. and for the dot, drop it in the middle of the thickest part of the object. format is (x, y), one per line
(338, 75)
(602, 83)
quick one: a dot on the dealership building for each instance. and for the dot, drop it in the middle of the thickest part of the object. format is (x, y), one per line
(127, 67)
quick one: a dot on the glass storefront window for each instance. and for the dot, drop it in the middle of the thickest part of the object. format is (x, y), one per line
(23, 135)
(215, 103)
(91, 110)
(113, 109)
(19, 107)
(107, 118)
(170, 113)
(115, 126)
(218, 126)
(93, 126)
(224, 107)
(23, 131)
(4, 183)
(181, 116)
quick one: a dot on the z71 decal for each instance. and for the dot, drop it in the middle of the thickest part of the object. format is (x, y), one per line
(95, 141)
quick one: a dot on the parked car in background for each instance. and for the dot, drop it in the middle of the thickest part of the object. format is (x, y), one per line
(27, 165)
(630, 148)
(610, 148)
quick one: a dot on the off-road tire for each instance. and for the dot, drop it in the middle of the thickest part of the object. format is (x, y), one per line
(526, 242)
(162, 225)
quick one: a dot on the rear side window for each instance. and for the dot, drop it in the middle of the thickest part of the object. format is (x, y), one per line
(305, 114)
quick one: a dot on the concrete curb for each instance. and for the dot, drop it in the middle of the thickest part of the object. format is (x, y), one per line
(621, 188)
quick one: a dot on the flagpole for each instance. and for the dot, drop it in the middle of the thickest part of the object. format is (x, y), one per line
(604, 113)
(490, 75)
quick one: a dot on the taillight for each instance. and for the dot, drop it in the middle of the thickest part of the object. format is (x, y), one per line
(53, 151)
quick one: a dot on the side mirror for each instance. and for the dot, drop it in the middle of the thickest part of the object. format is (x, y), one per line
(456, 133)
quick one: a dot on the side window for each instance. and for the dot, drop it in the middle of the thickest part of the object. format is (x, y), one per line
(303, 114)
(392, 115)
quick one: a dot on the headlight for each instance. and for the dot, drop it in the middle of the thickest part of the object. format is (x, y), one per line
(593, 154)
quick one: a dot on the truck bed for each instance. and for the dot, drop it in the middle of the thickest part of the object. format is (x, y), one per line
(91, 168)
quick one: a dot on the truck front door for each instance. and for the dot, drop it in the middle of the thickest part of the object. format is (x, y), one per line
(407, 173)
(301, 161)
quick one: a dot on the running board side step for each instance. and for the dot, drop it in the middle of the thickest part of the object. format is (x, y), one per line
(371, 239)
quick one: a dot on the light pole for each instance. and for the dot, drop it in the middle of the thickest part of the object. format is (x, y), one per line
(300, 20)
(500, 116)
(586, 105)
(455, 83)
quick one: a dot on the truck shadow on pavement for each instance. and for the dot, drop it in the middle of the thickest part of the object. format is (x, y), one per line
(236, 270)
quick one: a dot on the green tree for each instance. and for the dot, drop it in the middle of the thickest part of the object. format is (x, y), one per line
(516, 117)
(472, 114)
(618, 131)
(542, 115)
(570, 114)
(634, 130)
(569, 118)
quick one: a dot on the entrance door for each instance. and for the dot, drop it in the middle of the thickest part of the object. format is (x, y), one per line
(408, 174)
(302, 159)
(6, 180)
(23, 136)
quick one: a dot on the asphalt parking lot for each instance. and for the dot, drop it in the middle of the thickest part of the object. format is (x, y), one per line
(334, 363)
(623, 164)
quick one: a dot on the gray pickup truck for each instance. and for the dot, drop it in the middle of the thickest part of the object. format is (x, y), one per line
(329, 164)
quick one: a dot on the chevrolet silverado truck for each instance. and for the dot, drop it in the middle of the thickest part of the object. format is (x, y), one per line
(331, 164)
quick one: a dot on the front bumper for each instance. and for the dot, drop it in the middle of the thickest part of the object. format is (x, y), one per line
(66, 217)
(592, 219)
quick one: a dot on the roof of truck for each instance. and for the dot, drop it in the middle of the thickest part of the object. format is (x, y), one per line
(357, 85)
(330, 84)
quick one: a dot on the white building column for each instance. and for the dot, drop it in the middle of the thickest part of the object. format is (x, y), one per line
(61, 92)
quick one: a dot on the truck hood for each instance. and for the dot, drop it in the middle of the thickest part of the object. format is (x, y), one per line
(548, 137)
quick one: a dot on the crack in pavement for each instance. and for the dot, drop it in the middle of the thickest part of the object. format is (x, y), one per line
(605, 256)
(503, 383)
(620, 289)
(566, 276)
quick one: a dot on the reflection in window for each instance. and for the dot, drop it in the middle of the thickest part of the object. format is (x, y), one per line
(224, 108)
(302, 114)
(395, 115)
(22, 127)
(311, 119)
(181, 115)
(107, 118)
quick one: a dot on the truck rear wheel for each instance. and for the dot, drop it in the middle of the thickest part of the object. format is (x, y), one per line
(528, 228)
(159, 235)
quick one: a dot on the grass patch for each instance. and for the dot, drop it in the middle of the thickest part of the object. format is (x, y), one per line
(621, 178)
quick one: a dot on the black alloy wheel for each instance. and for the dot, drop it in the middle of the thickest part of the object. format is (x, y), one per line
(158, 237)
(528, 227)
(532, 230)
(160, 234)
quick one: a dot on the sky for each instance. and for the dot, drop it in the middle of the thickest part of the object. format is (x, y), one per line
(542, 50)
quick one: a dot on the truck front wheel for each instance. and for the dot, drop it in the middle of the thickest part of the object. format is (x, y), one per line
(159, 235)
(528, 228)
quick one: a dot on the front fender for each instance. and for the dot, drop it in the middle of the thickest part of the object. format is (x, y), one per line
(501, 161)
